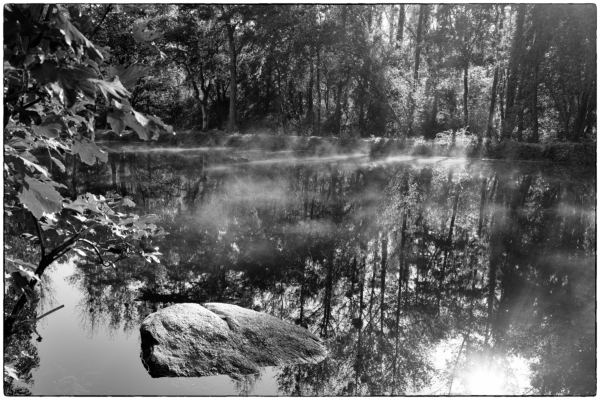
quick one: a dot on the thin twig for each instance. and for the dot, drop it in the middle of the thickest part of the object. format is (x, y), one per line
(31, 103)
(43, 315)
(95, 249)
(109, 7)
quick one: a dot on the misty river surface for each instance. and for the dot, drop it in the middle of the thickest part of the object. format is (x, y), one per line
(427, 276)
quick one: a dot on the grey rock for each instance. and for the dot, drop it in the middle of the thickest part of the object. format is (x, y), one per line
(222, 339)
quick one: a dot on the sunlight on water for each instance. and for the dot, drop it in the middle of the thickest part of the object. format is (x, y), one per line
(289, 161)
(171, 150)
(484, 383)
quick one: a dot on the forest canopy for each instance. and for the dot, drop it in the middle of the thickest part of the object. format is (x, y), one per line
(522, 72)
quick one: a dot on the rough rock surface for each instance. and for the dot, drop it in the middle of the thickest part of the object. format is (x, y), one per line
(192, 340)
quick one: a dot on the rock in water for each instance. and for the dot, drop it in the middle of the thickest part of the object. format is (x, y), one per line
(222, 339)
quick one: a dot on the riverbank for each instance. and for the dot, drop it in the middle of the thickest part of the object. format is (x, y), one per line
(463, 146)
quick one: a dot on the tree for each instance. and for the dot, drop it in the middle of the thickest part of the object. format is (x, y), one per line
(52, 72)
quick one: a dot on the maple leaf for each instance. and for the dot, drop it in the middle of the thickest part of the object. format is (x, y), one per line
(88, 151)
(39, 197)
(111, 89)
(128, 76)
(75, 39)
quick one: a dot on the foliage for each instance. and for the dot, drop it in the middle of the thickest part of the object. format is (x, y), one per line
(52, 73)
(358, 69)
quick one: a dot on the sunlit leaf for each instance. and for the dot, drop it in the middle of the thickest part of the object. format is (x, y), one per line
(129, 76)
(21, 262)
(66, 82)
(142, 34)
(11, 372)
(112, 88)
(88, 151)
(58, 163)
(74, 38)
(39, 197)
(80, 252)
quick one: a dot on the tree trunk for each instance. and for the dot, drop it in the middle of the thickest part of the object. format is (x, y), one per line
(309, 92)
(502, 91)
(204, 110)
(338, 109)
(466, 95)
(535, 133)
(268, 90)
(492, 105)
(401, 19)
(233, 75)
(521, 108)
(392, 25)
(318, 130)
(422, 11)
(513, 73)
(434, 112)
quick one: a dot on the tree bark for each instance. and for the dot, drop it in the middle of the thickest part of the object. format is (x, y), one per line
(400, 34)
(513, 73)
(466, 94)
(422, 11)
(233, 76)
(535, 133)
(318, 130)
(338, 109)
(309, 92)
(492, 105)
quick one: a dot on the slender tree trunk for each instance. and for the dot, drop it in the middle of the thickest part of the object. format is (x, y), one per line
(535, 135)
(521, 108)
(466, 95)
(318, 130)
(309, 92)
(513, 73)
(267, 100)
(434, 112)
(204, 110)
(492, 105)
(361, 110)
(422, 11)
(338, 109)
(233, 75)
(401, 18)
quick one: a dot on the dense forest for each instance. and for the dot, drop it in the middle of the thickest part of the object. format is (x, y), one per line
(519, 72)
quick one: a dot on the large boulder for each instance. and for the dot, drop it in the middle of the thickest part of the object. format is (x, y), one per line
(222, 339)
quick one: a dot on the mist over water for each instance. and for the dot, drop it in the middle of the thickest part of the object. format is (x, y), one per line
(420, 273)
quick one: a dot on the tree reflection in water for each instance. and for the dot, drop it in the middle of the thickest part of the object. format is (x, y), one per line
(390, 263)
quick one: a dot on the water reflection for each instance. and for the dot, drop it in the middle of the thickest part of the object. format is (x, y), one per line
(430, 277)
